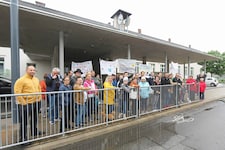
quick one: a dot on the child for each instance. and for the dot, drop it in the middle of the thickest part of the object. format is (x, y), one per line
(202, 86)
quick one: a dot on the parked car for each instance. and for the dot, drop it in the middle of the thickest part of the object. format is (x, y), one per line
(5, 88)
(5, 85)
(211, 81)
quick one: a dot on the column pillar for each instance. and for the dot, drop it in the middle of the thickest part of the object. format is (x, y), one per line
(128, 52)
(61, 52)
(205, 66)
(166, 63)
(188, 66)
(15, 54)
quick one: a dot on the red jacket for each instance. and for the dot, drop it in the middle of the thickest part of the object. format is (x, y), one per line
(202, 86)
(43, 88)
(192, 84)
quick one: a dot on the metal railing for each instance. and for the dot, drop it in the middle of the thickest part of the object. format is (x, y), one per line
(58, 113)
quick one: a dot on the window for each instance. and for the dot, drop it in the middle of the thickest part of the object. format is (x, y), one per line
(162, 68)
(2, 65)
(186, 71)
(153, 67)
(179, 69)
(192, 71)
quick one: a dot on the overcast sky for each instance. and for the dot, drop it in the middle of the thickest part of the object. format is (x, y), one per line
(199, 23)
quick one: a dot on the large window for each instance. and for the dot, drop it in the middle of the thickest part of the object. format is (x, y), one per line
(1, 65)
(162, 68)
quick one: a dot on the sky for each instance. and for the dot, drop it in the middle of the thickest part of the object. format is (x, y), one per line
(199, 23)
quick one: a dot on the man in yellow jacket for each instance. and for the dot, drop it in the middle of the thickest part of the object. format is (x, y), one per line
(28, 103)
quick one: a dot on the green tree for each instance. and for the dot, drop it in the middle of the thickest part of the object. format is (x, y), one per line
(216, 66)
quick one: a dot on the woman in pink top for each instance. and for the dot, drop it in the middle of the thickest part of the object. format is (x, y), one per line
(91, 105)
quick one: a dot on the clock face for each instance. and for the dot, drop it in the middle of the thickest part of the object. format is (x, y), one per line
(120, 19)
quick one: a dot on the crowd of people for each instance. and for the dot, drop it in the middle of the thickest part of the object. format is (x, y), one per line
(133, 93)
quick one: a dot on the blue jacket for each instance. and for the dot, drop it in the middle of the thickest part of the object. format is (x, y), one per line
(145, 89)
(67, 95)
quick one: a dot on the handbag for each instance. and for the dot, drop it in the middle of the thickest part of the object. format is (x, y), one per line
(133, 94)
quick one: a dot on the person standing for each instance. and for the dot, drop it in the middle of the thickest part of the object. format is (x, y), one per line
(43, 96)
(109, 95)
(92, 94)
(144, 93)
(53, 82)
(191, 83)
(66, 104)
(28, 104)
(157, 91)
(177, 86)
(166, 90)
(202, 86)
(72, 79)
(134, 96)
(80, 98)
(77, 73)
(125, 91)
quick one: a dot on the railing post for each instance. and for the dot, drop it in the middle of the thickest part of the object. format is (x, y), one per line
(160, 100)
(176, 95)
(63, 113)
(106, 108)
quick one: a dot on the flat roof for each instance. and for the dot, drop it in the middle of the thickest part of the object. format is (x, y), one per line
(86, 39)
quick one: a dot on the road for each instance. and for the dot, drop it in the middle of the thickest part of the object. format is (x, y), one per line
(196, 129)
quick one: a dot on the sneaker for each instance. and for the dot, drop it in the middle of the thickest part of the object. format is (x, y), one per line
(77, 127)
(57, 119)
(51, 123)
(120, 115)
(124, 116)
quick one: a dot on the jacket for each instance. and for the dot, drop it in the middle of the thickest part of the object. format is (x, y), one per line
(144, 89)
(202, 86)
(125, 92)
(109, 95)
(26, 85)
(43, 89)
(67, 96)
(81, 96)
(192, 84)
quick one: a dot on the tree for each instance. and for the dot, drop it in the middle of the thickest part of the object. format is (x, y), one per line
(216, 66)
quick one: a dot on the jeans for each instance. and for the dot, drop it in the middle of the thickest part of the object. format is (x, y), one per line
(143, 104)
(123, 106)
(155, 101)
(54, 107)
(201, 95)
(80, 114)
(66, 115)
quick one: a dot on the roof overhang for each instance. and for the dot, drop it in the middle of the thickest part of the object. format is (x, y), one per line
(86, 39)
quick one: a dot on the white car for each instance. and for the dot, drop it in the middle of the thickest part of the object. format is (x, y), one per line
(211, 81)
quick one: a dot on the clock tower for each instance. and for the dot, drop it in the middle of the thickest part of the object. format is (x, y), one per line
(121, 20)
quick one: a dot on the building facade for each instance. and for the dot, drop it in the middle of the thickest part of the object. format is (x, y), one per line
(45, 66)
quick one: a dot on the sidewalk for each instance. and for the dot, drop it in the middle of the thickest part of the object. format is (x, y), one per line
(210, 95)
